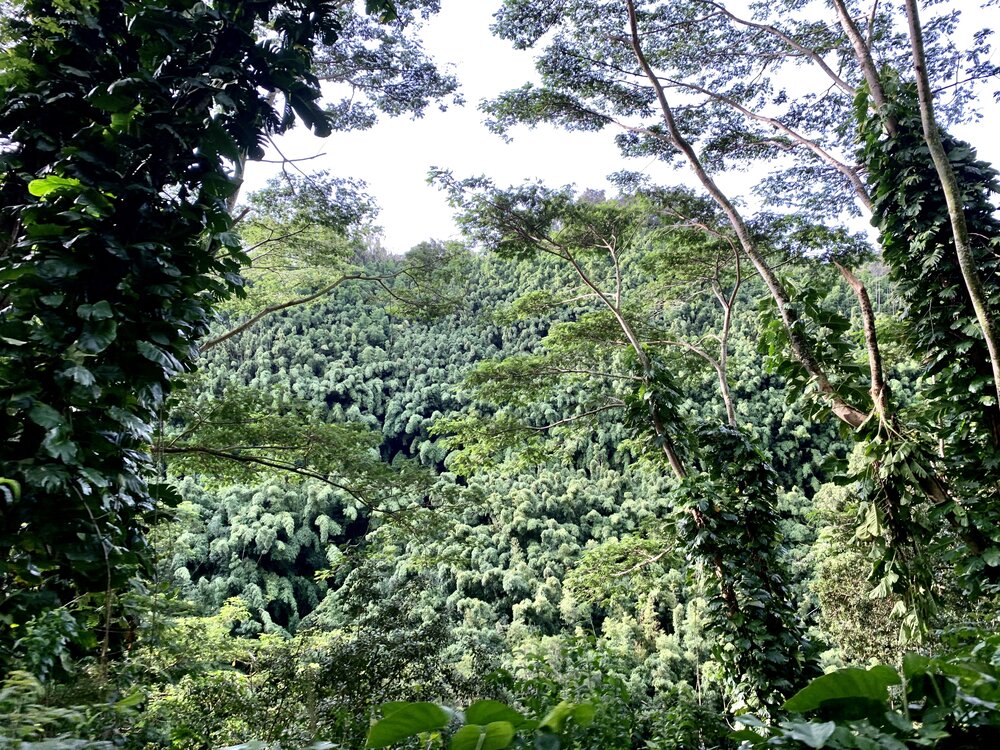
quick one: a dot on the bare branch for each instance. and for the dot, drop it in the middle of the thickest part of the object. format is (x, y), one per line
(576, 417)
(279, 465)
(285, 160)
(380, 280)
(848, 171)
(791, 42)
(642, 563)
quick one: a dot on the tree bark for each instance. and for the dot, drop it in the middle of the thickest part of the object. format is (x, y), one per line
(799, 345)
(879, 391)
(953, 196)
(864, 57)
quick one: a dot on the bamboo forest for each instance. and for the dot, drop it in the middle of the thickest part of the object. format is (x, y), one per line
(661, 465)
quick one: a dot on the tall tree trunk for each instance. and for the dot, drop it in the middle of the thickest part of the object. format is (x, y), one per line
(953, 196)
(879, 390)
(864, 57)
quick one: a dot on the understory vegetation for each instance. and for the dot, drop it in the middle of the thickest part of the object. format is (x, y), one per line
(659, 469)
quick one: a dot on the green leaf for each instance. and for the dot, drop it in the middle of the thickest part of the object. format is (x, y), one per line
(385, 9)
(915, 664)
(98, 336)
(992, 556)
(556, 718)
(58, 445)
(487, 711)
(165, 494)
(50, 184)
(38, 231)
(583, 714)
(97, 311)
(133, 424)
(493, 736)
(80, 375)
(132, 699)
(121, 120)
(747, 735)
(162, 357)
(45, 416)
(111, 102)
(10, 490)
(848, 688)
(218, 141)
(871, 527)
(407, 720)
(810, 733)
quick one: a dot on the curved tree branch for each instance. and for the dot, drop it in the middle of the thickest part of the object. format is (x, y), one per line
(799, 345)
(791, 42)
(213, 342)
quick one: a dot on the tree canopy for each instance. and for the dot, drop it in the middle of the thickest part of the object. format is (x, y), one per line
(666, 468)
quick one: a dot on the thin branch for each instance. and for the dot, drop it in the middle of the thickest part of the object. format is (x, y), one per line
(272, 239)
(791, 42)
(380, 280)
(849, 172)
(642, 563)
(593, 373)
(211, 343)
(280, 466)
(686, 345)
(568, 420)
(285, 160)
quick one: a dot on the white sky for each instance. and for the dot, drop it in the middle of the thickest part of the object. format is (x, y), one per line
(395, 156)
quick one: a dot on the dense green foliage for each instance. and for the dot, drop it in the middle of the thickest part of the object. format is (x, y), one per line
(555, 564)
(941, 328)
(117, 245)
(577, 477)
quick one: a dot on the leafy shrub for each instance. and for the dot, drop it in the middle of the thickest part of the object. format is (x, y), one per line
(949, 702)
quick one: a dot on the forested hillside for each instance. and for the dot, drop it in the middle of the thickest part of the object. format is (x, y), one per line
(657, 469)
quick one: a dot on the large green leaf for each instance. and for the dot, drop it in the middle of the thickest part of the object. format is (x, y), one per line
(406, 720)
(557, 716)
(809, 733)
(165, 359)
(45, 416)
(97, 336)
(487, 711)
(493, 736)
(582, 713)
(97, 311)
(57, 443)
(847, 692)
(41, 188)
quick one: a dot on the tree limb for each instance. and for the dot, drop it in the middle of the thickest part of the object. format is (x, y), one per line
(799, 345)
(791, 42)
(849, 172)
(953, 196)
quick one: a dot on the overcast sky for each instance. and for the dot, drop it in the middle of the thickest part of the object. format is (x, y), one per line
(395, 156)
